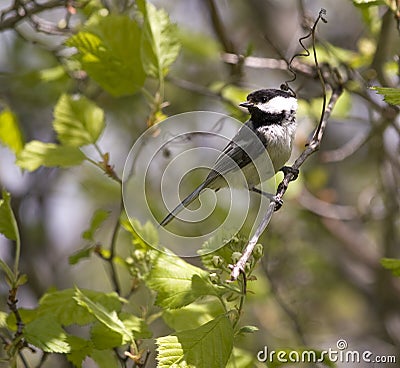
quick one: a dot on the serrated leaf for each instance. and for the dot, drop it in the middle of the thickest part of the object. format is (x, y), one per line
(98, 218)
(62, 305)
(46, 333)
(208, 346)
(160, 42)
(177, 282)
(77, 121)
(36, 154)
(390, 95)
(106, 317)
(104, 338)
(142, 235)
(79, 350)
(109, 51)
(10, 133)
(392, 265)
(193, 315)
(8, 226)
(105, 358)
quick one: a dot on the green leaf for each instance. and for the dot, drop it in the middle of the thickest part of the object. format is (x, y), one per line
(107, 317)
(8, 226)
(177, 282)
(104, 338)
(27, 315)
(97, 219)
(77, 121)
(109, 51)
(193, 315)
(81, 254)
(208, 346)
(247, 330)
(160, 42)
(105, 359)
(367, 3)
(62, 305)
(10, 133)
(390, 95)
(46, 333)
(79, 350)
(142, 235)
(36, 154)
(212, 247)
(392, 265)
(241, 358)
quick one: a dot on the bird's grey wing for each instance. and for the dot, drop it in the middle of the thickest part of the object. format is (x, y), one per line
(244, 147)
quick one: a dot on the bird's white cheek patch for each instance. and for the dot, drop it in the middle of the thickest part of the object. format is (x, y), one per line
(279, 104)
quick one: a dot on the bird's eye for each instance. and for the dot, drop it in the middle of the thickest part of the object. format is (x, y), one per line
(264, 100)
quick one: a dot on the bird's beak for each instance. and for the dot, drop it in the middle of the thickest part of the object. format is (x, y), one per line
(246, 104)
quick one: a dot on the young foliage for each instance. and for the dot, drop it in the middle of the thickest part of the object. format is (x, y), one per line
(177, 282)
(109, 51)
(108, 318)
(77, 121)
(67, 311)
(10, 133)
(392, 265)
(97, 220)
(390, 95)
(8, 226)
(36, 154)
(208, 346)
(46, 333)
(160, 45)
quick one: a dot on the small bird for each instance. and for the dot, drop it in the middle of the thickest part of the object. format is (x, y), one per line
(273, 122)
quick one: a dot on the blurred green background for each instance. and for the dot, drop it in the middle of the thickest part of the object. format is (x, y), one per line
(320, 279)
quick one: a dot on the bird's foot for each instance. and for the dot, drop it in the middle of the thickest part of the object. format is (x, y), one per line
(270, 196)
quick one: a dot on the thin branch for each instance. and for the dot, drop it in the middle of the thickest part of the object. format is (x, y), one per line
(289, 312)
(269, 63)
(222, 35)
(312, 147)
(10, 17)
(325, 209)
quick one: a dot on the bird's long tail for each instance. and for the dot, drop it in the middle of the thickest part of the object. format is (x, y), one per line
(189, 199)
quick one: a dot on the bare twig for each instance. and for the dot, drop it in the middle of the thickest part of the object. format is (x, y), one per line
(269, 63)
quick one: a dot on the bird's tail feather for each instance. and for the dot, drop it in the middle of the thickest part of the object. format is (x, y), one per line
(189, 199)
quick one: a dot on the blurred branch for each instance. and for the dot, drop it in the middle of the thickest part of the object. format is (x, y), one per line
(353, 241)
(284, 306)
(219, 29)
(269, 63)
(325, 209)
(20, 11)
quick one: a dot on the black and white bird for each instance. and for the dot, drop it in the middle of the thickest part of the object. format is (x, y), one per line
(270, 130)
